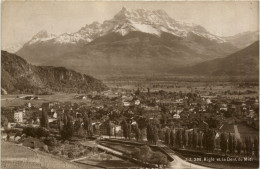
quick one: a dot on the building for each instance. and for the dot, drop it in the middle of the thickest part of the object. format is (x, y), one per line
(29, 105)
(176, 116)
(104, 128)
(18, 117)
(126, 104)
(137, 102)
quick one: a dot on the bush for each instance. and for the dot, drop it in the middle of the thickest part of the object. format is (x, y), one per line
(71, 155)
(86, 152)
(159, 159)
(55, 151)
(50, 141)
(43, 132)
(30, 131)
(80, 133)
(4, 121)
(66, 132)
(45, 148)
(36, 132)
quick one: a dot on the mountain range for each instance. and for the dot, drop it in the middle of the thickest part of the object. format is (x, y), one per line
(244, 39)
(244, 62)
(133, 41)
(18, 76)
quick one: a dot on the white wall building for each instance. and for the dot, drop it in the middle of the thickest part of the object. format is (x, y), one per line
(18, 117)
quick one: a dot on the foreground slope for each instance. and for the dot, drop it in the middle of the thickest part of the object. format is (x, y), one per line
(20, 77)
(242, 63)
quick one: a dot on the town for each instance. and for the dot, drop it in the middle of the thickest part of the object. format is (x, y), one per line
(144, 127)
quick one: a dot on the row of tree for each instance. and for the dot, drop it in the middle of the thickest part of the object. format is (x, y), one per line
(185, 139)
(69, 127)
(232, 145)
(152, 131)
(207, 140)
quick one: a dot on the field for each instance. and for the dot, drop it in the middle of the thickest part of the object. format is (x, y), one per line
(236, 87)
(12, 100)
(242, 128)
(231, 88)
(246, 131)
(228, 128)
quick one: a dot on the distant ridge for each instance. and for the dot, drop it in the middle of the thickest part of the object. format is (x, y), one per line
(20, 77)
(245, 62)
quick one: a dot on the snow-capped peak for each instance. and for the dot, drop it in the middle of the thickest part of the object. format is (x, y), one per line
(42, 36)
(158, 17)
(127, 20)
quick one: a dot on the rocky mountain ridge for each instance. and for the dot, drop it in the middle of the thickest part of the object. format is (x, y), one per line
(20, 77)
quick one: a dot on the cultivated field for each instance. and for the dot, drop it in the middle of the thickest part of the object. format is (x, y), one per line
(13, 100)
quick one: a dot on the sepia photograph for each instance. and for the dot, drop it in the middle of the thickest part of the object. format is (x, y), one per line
(129, 84)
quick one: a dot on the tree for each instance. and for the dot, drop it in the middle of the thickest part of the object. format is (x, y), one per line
(194, 139)
(137, 134)
(204, 140)
(68, 129)
(109, 128)
(211, 140)
(234, 144)
(178, 138)
(246, 146)
(44, 120)
(164, 118)
(129, 131)
(149, 132)
(230, 143)
(223, 143)
(172, 138)
(250, 146)
(124, 127)
(199, 140)
(167, 137)
(184, 138)
(88, 125)
(155, 135)
(239, 146)
(256, 147)
(190, 139)
(4, 121)
(80, 132)
(77, 125)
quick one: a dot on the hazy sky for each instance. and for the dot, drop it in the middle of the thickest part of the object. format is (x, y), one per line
(21, 20)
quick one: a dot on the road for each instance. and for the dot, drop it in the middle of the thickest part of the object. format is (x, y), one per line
(178, 163)
(181, 164)
(110, 150)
